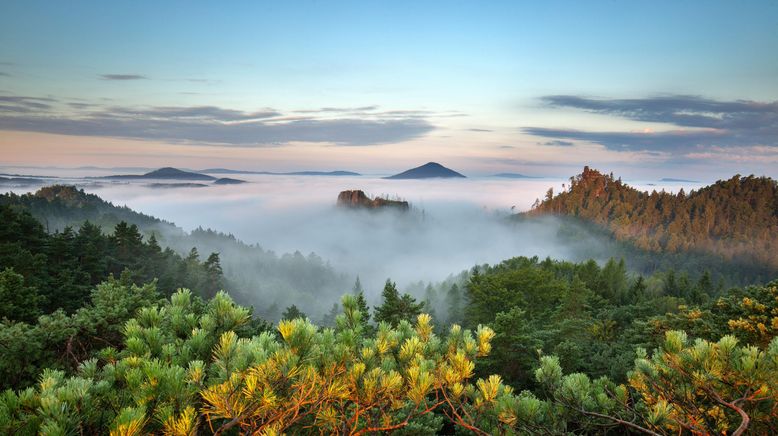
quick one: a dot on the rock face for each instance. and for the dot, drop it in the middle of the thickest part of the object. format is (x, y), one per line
(358, 200)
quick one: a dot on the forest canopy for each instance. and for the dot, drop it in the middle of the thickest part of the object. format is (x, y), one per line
(104, 331)
(735, 218)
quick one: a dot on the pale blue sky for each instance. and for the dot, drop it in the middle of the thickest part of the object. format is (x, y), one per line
(429, 79)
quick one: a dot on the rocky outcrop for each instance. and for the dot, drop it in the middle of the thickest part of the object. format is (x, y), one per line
(357, 199)
(69, 195)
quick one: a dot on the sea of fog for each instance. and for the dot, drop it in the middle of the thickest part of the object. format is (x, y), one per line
(454, 224)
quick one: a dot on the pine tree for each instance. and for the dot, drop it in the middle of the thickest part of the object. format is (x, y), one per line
(357, 289)
(396, 308)
(214, 275)
(153, 244)
(430, 301)
(454, 303)
(328, 320)
(671, 286)
(292, 313)
(19, 302)
(363, 307)
(638, 289)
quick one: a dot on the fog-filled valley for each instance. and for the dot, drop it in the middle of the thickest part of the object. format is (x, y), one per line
(545, 286)
(293, 245)
(388, 218)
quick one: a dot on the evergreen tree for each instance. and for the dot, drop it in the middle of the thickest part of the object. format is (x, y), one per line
(454, 304)
(363, 307)
(328, 320)
(671, 286)
(357, 289)
(17, 301)
(194, 256)
(213, 275)
(703, 290)
(396, 308)
(614, 280)
(430, 300)
(638, 289)
(292, 312)
(90, 246)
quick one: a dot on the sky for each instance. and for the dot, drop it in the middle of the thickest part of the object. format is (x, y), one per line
(640, 88)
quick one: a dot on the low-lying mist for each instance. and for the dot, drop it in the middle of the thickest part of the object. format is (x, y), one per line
(453, 226)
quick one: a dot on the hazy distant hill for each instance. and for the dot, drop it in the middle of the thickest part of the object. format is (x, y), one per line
(670, 179)
(176, 185)
(429, 170)
(736, 218)
(20, 181)
(296, 173)
(514, 176)
(320, 173)
(163, 173)
(228, 181)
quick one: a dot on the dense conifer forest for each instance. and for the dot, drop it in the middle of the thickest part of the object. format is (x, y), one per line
(254, 273)
(104, 331)
(736, 219)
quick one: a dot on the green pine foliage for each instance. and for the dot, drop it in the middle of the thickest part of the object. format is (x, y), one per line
(59, 270)
(100, 334)
(396, 308)
(186, 366)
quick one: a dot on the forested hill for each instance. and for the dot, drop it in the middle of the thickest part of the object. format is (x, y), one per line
(59, 206)
(736, 218)
(253, 273)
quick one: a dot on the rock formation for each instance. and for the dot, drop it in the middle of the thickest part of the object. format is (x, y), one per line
(357, 199)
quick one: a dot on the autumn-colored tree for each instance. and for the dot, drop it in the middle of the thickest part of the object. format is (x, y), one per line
(735, 218)
(706, 387)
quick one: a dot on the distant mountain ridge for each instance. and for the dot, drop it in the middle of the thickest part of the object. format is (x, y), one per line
(163, 173)
(430, 170)
(515, 176)
(228, 181)
(670, 179)
(294, 173)
(735, 218)
(169, 173)
(21, 181)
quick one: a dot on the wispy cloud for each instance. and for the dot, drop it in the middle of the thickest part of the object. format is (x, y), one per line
(338, 109)
(696, 122)
(79, 105)
(209, 125)
(557, 143)
(191, 112)
(17, 104)
(632, 141)
(123, 77)
(4, 74)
